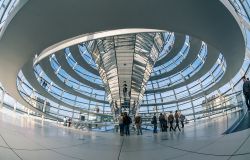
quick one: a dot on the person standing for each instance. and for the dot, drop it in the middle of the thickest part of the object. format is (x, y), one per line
(165, 122)
(161, 120)
(69, 122)
(171, 121)
(182, 119)
(138, 122)
(126, 121)
(177, 116)
(246, 91)
(154, 122)
(121, 125)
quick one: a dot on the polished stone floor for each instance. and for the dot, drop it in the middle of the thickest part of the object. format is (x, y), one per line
(26, 138)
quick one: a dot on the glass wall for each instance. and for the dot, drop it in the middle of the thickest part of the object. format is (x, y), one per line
(179, 91)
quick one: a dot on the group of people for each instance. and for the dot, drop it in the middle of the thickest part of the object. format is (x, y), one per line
(164, 119)
(168, 120)
(124, 123)
(67, 121)
(43, 83)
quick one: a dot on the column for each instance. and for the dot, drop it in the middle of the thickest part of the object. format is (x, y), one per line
(44, 108)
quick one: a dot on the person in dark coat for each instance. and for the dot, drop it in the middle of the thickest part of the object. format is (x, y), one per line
(120, 119)
(246, 91)
(165, 122)
(171, 121)
(154, 122)
(126, 121)
(161, 120)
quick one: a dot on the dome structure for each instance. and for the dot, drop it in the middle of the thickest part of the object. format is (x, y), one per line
(160, 62)
(71, 71)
